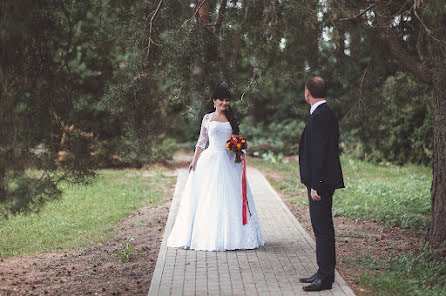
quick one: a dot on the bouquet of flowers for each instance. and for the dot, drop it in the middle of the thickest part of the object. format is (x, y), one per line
(237, 144)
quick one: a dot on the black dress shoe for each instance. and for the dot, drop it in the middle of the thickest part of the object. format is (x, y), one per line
(319, 285)
(308, 279)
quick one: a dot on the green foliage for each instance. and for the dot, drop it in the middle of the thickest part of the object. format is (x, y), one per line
(283, 136)
(366, 261)
(128, 252)
(161, 149)
(46, 76)
(114, 79)
(402, 131)
(410, 274)
(165, 150)
(74, 95)
(271, 157)
(84, 215)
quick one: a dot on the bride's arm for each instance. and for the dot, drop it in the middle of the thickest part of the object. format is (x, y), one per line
(201, 143)
(198, 150)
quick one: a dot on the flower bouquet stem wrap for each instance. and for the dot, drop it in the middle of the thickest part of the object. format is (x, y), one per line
(237, 144)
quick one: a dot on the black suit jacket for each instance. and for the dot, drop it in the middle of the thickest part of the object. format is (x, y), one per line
(319, 163)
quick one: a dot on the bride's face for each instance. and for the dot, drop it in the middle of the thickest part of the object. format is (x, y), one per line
(221, 104)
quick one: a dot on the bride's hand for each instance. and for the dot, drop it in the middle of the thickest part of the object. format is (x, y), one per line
(192, 166)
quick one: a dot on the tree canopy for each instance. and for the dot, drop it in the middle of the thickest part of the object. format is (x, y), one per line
(113, 81)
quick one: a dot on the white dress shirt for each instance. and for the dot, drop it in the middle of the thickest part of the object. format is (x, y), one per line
(315, 105)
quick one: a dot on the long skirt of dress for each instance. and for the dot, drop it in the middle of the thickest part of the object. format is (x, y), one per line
(210, 212)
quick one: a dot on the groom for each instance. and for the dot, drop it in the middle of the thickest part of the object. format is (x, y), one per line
(320, 171)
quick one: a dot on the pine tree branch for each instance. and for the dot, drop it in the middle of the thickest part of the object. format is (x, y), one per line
(70, 36)
(429, 33)
(219, 20)
(419, 46)
(364, 75)
(360, 14)
(361, 85)
(418, 70)
(196, 12)
(404, 58)
(151, 29)
(237, 43)
(416, 4)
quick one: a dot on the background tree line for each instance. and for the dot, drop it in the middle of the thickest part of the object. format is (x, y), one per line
(111, 82)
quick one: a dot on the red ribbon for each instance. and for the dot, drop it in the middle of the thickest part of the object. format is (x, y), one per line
(245, 200)
(258, 146)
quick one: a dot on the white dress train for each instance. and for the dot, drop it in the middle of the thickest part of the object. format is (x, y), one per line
(210, 211)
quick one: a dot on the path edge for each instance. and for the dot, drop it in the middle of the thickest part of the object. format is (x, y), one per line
(156, 278)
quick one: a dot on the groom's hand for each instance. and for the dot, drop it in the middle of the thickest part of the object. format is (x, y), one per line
(314, 195)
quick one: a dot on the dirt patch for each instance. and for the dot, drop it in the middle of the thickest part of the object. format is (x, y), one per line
(363, 239)
(96, 269)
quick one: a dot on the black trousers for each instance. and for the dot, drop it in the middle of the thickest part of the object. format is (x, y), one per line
(322, 222)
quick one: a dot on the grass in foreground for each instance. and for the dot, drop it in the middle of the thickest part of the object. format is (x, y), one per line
(84, 215)
(410, 274)
(391, 195)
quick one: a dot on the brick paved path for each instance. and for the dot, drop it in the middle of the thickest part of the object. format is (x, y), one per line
(273, 269)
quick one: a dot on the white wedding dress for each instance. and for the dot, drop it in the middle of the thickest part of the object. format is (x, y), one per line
(210, 212)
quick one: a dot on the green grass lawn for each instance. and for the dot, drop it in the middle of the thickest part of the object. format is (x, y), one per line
(422, 274)
(392, 195)
(84, 215)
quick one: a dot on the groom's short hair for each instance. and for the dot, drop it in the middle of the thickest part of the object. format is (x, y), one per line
(317, 87)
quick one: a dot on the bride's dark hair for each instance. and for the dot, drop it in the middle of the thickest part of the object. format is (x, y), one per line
(222, 92)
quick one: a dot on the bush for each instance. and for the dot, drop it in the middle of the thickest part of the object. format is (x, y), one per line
(162, 149)
(283, 136)
(398, 127)
(165, 150)
(273, 158)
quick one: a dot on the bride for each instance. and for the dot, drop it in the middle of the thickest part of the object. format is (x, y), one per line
(210, 212)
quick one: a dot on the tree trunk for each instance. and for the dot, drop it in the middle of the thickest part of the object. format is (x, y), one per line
(437, 229)
(203, 12)
(340, 48)
(3, 183)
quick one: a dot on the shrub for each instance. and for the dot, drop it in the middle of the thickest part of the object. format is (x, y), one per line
(283, 136)
(399, 128)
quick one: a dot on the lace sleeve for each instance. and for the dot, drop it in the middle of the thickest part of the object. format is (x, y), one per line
(203, 139)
